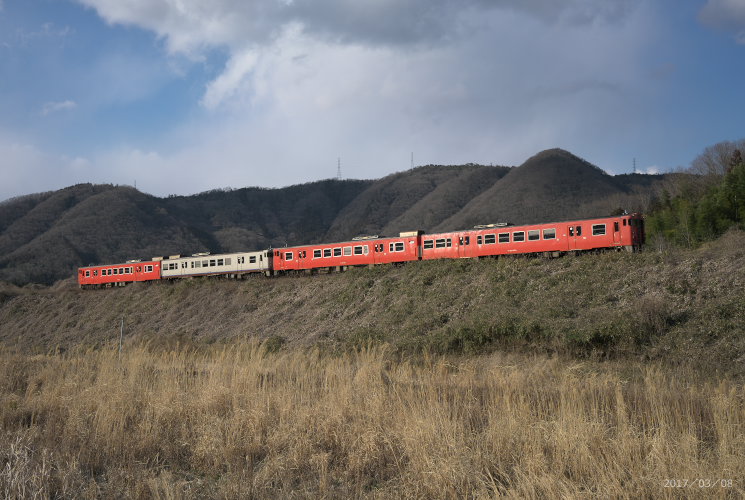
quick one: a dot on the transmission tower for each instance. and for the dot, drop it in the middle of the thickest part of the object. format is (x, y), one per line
(338, 169)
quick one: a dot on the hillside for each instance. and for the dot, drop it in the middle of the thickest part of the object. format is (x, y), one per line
(416, 199)
(552, 185)
(45, 237)
(684, 308)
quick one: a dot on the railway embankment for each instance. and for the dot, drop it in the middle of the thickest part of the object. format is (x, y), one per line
(683, 307)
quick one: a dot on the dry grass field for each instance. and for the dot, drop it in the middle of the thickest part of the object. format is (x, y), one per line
(242, 422)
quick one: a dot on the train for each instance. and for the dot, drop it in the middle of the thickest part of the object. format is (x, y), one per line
(552, 239)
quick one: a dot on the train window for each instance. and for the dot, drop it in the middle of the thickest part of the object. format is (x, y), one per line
(468, 240)
(327, 252)
(449, 242)
(598, 229)
(358, 250)
(317, 254)
(440, 243)
(95, 272)
(615, 226)
(196, 264)
(337, 252)
(87, 274)
(504, 237)
(347, 251)
(397, 246)
(252, 259)
(390, 247)
(624, 222)
(148, 269)
(365, 249)
(183, 265)
(228, 261)
(490, 239)
(116, 271)
(579, 230)
(212, 262)
(518, 236)
(571, 230)
(429, 244)
(288, 255)
(479, 240)
(205, 263)
(220, 262)
(549, 234)
(131, 270)
(534, 234)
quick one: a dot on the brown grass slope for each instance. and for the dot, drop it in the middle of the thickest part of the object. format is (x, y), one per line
(552, 185)
(684, 308)
(239, 422)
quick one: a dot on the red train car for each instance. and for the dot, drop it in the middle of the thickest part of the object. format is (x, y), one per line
(358, 252)
(623, 231)
(118, 274)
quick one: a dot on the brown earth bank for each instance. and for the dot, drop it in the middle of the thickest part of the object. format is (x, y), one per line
(679, 307)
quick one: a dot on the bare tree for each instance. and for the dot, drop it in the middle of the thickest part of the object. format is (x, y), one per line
(715, 159)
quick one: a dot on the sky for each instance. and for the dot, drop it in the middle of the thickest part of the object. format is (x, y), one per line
(183, 96)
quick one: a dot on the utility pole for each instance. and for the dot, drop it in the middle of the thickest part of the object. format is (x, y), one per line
(634, 165)
(338, 168)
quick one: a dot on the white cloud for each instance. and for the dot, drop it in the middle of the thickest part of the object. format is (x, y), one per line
(373, 80)
(27, 169)
(54, 107)
(190, 25)
(229, 82)
(726, 15)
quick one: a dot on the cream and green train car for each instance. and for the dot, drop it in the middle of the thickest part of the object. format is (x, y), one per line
(230, 265)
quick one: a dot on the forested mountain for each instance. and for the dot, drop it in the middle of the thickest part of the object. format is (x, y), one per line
(44, 237)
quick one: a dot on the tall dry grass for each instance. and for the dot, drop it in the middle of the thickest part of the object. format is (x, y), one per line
(243, 422)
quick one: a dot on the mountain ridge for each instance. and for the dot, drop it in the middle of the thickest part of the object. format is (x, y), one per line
(44, 237)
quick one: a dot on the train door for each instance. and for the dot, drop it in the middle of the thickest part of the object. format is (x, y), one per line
(574, 236)
(464, 245)
(616, 232)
